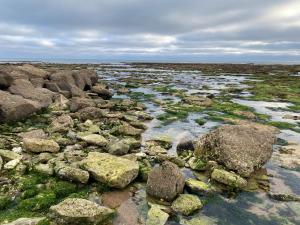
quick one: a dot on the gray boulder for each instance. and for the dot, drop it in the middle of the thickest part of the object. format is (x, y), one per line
(165, 182)
(241, 148)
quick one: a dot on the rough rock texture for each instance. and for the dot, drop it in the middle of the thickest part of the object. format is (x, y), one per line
(14, 107)
(165, 181)
(73, 174)
(40, 145)
(77, 103)
(61, 124)
(26, 221)
(76, 211)
(156, 216)
(186, 204)
(95, 139)
(197, 100)
(102, 91)
(114, 171)
(26, 89)
(241, 148)
(228, 178)
(199, 187)
(89, 113)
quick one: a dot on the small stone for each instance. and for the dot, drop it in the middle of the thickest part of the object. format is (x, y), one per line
(44, 169)
(62, 123)
(26, 221)
(76, 211)
(156, 216)
(118, 148)
(95, 139)
(9, 155)
(284, 197)
(11, 164)
(73, 174)
(199, 187)
(36, 145)
(228, 178)
(17, 150)
(186, 204)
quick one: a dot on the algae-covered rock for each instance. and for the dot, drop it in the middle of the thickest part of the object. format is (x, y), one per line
(199, 187)
(111, 170)
(228, 178)
(127, 130)
(76, 211)
(165, 181)
(11, 164)
(200, 220)
(45, 169)
(156, 216)
(186, 204)
(94, 139)
(118, 147)
(73, 174)
(37, 145)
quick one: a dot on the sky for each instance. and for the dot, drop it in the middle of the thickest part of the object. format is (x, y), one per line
(151, 30)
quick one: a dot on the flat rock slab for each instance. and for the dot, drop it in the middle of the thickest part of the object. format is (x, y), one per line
(114, 171)
(73, 211)
(37, 145)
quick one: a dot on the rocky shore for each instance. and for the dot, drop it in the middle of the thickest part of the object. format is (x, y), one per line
(70, 152)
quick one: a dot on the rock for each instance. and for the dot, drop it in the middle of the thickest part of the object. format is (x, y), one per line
(156, 216)
(27, 221)
(118, 148)
(36, 145)
(246, 114)
(203, 220)
(228, 178)
(186, 204)
(9, 155)
(290, 157)
(45, 169)
(197, 164)
(174, 159)
(199, 187)
(15, 107)
(32, 71)
(102, 91)
(1, 163)
(241, 148)
(284, 197)
(73, 174)
(165, 182)
(60, 102)
(11, 164)
(198, 101)
(114, 171)
(155, 150)
(133, 143)
(62, 123)
(127, 130)
(26, 89)
(291, 117)
(90, 113)
(185, 145)
(38, 133)
(77, 103)
(76, 211)
(94, 139)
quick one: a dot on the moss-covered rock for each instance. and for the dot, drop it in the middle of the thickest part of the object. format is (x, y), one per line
(114, 171)
(77, 211)
(186, 204)
(228, 178)
(156, 216)
(199, 187)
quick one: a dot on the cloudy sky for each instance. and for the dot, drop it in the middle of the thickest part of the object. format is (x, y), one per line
(159, 30)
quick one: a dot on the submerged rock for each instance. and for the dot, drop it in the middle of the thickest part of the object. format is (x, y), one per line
(186, 204)
(241, 148)
(165, 182)
(111, 170)
(76, 211)
(228, 178)
(156, 216)
(36, 145)
(284, 197)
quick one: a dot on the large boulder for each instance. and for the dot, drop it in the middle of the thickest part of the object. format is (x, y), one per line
(76, 211)
(165, 181)
(14, 107)
(77, 103)
(240, 148)
(102, 91)
(111, 170)
(26, 89)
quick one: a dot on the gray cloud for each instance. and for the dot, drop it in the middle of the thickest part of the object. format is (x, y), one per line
(157, 29)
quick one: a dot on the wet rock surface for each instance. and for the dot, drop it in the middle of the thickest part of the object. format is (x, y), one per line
(138, 144)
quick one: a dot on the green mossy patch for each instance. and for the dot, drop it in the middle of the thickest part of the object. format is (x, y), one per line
(200, 121)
